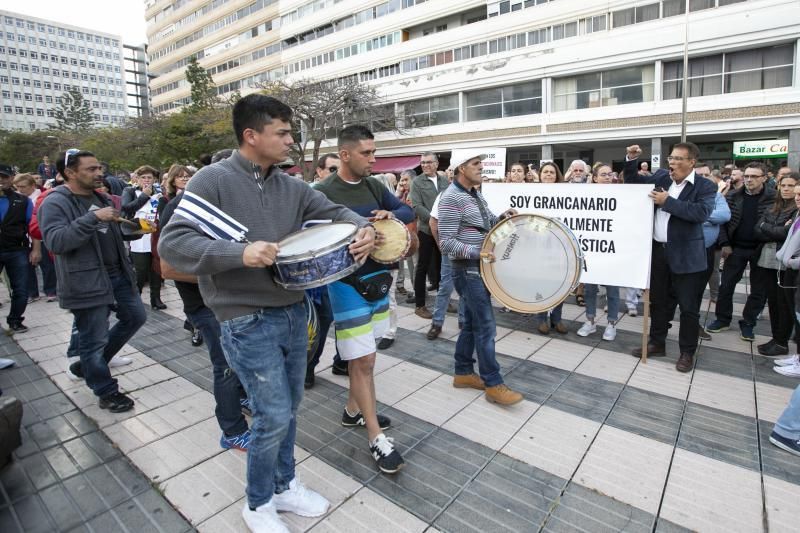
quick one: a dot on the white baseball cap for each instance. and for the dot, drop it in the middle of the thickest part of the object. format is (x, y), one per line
(461, 156)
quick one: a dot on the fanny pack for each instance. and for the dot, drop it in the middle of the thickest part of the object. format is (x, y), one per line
(372, 287)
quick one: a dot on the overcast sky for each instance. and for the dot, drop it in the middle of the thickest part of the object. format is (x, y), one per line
(121, 17)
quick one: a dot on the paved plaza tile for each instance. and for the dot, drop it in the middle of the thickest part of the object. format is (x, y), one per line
(601, 441)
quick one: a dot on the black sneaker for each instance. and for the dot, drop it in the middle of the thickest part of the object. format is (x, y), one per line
(746, 332)
(385, 454)
(358, 420)
(703, 335)
(385, 343)
(17, 327)
(773, 350)
(116, 402)
(311, 379)
(197, 338)
(790, 445)
(340, 368)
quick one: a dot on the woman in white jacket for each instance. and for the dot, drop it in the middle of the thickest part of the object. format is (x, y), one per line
(789, 258)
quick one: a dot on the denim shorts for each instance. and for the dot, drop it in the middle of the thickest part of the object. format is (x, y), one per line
(357, 322)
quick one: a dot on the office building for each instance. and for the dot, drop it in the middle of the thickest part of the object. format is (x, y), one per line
(560, 79)
(41, 59)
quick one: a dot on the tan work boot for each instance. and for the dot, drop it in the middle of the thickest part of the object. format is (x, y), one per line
(423, 312)
(502, 395)
(468, 381)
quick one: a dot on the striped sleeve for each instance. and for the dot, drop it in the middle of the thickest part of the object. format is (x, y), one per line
(452, 231)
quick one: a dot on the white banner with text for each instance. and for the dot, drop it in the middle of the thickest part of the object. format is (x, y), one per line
(613, 224)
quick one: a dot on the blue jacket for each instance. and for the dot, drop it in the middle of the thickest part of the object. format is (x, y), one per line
(720, 215)
(685, 249)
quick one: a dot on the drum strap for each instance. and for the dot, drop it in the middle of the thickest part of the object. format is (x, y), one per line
(487, 224)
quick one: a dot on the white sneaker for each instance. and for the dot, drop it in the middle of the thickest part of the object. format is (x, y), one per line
(787, 361)
(632, 311)
(587, 329)
(264, 519)
(301, 501)
(793, 371)
(610, 333)
(119, 360)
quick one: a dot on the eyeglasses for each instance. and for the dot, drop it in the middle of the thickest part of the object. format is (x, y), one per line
(333, 169)
(427, 162)
(68, 154)
(677, 159)
(183, 178)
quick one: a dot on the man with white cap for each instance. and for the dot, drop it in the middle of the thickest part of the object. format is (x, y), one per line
(464, 221)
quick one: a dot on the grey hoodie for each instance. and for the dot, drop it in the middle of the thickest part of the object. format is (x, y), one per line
(271, 207)
(789, 253)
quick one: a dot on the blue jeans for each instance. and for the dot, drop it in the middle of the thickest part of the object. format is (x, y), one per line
(16, 265)
(788, 424)
(555, 315)
(48, 276)
(612, 294)
(267, 350)
(227, 388)
(97, 344)
(443, 296)
(478, 329)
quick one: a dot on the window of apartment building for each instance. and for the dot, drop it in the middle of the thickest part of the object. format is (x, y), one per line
(635, 15)
(37, 84)
(28, 97)
(42, 42)
(38, 98)
(50, 113)
(432, 111)
(62, 46)
(18, 110)
(593, 24)
(73, 62)
(7, 94)
(40, 112)
(34, 55)
(35, 69)
(7, 109)
(501, 102)
(48, 85)
(613, 87)
(563, 31)
(12, 51)
(61, 32)
(70, 34)
(48, 99)
(17, 95)
(747, 70)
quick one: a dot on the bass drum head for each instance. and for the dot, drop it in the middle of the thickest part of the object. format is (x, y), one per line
(312, 323)
(395, 244)
(537, 263)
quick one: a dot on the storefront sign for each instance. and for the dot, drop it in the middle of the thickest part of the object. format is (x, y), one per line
(761, 149)
(613, 224)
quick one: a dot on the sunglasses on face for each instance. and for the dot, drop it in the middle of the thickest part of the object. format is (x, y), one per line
(69, 153)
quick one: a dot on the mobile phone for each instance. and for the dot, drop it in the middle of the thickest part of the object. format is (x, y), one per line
(659, 189)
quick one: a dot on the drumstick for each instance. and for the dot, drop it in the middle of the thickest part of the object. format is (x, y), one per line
(126, 221)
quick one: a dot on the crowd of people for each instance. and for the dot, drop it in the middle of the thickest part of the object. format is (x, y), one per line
(99, 240)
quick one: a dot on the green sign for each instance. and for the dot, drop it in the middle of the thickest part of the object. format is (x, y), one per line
(761, 149)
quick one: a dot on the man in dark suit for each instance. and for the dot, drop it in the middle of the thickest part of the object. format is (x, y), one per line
(424, 190)
(679, 260)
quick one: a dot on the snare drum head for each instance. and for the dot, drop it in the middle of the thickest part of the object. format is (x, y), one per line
(395, 244)
(537, 263)
(316, 238)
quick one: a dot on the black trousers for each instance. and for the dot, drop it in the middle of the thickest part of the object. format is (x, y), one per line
(732, 273)
(668, 289)
(782, 318)
(143, 264)
(429, 265)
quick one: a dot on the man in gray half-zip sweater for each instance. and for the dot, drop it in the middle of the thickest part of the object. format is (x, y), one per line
(263, 326)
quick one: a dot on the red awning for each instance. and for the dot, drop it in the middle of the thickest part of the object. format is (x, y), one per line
(395, 164)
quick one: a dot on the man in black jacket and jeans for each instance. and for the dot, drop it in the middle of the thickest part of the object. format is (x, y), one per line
(93, 271)
(740, 248)
(15, 214)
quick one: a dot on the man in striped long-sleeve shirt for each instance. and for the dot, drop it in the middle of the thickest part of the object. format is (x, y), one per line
(464, 220)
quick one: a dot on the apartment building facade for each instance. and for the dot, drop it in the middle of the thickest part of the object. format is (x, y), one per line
(41, 59)
(557, 79)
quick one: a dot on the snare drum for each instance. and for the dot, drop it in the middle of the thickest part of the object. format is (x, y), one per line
(396, 241)
(538, 262)
(315, 256)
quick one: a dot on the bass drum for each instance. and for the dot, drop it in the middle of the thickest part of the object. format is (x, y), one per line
(538, 263)
(312, 323)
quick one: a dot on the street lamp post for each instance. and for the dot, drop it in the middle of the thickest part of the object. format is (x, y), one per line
(685, 90)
